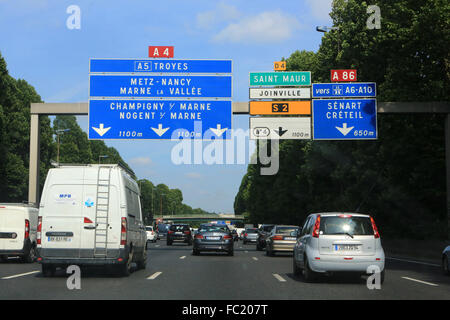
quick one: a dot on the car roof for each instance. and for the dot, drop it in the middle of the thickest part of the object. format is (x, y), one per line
(325, 214)
(285, 225)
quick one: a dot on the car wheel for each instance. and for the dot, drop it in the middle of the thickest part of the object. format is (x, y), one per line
(3, 258)
(125, 268)
(169, 243)
(308, 274)
(295, 269)
(269, 253)
(31, 256)
(258, 247)
(382, 277)
(445, 268)
(231, 252)
(142, 264)
(195, 252)
(48, 270)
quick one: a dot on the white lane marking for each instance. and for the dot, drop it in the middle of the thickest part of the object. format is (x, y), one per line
(418, 262)
(278, 277)
(246, 251)
(255, 258)
(420, 281)
(182, 257)
(153, 276)
(157, 245)
(20, 275)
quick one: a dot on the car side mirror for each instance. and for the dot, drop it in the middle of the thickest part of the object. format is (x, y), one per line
(299, 232)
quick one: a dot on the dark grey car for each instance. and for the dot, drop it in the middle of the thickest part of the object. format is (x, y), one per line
(212, 237)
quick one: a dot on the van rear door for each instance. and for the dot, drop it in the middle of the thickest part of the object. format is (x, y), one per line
(12, 228)
(62, 221)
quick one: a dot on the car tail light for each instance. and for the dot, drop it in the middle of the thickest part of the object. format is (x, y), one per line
(123, 232)
(227, 236)
(315, 232)
(169, 232)
(198, 236)
(375, 229)
(245, 235)
(87, 220)
(39, 231)
(277, 238)
(187, 232)
(27, 229)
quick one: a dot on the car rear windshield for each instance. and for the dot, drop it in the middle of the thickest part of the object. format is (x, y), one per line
(267, 228)
(251, 230)
(346, 225)
(178, 227)
(286, 230)
(149, 228)
(162, 227)
(213, 229)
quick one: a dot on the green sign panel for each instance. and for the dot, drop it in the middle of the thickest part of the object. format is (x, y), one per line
(302, 78)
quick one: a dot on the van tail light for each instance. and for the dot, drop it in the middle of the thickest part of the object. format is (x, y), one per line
(87, 220)
(227, 236)
(39, 231)
(245, 235)
(198, 236)
(123, 232)
(277, 238)
(375, 229)
(315, 232)
(27, 229)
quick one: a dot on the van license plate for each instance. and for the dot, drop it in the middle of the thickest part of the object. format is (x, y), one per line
(59, 239)
(346, 247)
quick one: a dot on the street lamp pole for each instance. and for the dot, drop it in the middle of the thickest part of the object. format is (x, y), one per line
(58, 132)
(325, 29)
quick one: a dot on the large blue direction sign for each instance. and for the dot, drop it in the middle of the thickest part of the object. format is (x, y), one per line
(159, 119)
(168, 86)
(159, 66)
(344, 90)
(344, 119)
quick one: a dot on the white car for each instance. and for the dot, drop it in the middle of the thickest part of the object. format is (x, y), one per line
(18, 226)
(90, 215)
(151, 234)
(338, 242)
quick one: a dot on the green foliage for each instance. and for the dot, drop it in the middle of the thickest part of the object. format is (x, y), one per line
(399, 178)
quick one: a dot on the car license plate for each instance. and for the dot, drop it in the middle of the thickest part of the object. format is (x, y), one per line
(59, 239)
(289, 238)
(178, 232)
(213, 238)
(346, 247)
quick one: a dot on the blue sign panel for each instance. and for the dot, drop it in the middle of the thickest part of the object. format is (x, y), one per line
(344, 119)
(159, 119)
(344, 90)
(160, 86)
(159, 66)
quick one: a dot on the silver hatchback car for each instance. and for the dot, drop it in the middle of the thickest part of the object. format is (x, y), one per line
(336, 242)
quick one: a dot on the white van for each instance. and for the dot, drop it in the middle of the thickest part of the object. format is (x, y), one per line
(90, 215)
(18, 225)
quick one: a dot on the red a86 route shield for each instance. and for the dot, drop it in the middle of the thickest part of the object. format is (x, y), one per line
(343, 75)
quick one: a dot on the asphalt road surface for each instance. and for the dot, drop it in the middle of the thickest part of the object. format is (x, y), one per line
(174, 273)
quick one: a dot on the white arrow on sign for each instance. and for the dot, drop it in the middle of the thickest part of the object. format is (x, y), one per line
(101, 130)
(160, 131)
(344, 130)
(218, 131)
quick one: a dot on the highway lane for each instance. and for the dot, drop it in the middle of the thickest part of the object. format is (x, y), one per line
(174, 273)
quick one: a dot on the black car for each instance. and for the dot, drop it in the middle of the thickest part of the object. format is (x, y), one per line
(263, 233)
(235, 235)
(213, 237)
(179, 233)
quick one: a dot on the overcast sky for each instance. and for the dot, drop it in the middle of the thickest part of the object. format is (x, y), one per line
(39, 48)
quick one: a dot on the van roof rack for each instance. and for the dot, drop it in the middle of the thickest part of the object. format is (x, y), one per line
(119, 164)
